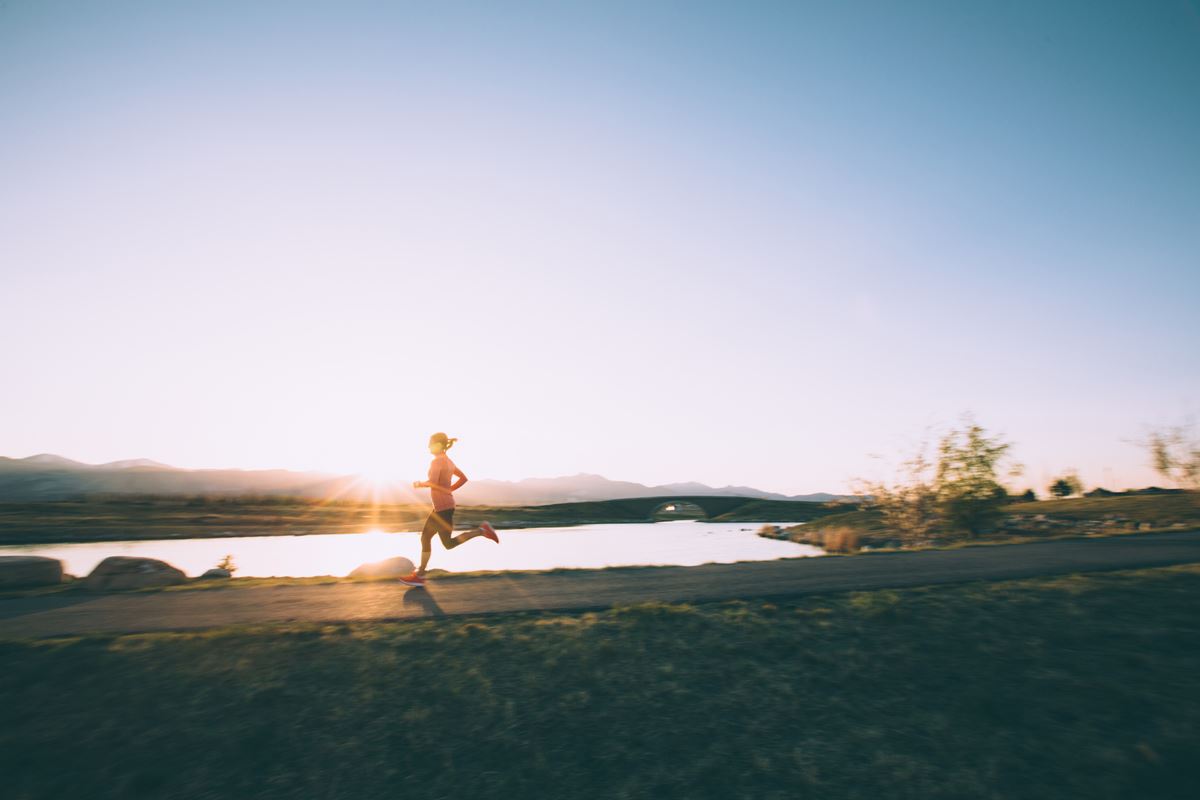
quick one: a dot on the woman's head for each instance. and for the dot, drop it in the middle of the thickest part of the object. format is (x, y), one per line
(440, 443)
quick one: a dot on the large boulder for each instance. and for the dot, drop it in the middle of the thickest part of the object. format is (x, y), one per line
(216, 572)
(396, 567)
(21, 571)
(127, 572)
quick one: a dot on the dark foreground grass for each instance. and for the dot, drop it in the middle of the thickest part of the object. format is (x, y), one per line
(1081, 686)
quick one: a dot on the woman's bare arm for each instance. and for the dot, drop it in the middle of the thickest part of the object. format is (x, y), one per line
(461, 479)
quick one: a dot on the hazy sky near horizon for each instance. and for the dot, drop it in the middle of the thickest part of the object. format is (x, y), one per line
(740, 243)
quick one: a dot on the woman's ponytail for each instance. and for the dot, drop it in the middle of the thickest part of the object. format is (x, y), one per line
(444, 439)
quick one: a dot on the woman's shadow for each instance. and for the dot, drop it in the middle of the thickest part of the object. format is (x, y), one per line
(420, 598)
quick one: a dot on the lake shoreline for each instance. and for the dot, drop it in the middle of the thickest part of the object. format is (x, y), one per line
(175, 518)
(154, 536)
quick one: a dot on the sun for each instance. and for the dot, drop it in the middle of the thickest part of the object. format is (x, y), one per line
(380, 473)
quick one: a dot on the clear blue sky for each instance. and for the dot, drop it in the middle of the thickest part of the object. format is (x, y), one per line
(740, 243)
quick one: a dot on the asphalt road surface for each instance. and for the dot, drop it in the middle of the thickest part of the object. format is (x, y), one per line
(83, 612)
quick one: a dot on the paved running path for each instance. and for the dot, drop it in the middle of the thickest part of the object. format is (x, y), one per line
(82, 612)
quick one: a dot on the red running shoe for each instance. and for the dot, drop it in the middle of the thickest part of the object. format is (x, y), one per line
(413, 580)
(489, 531)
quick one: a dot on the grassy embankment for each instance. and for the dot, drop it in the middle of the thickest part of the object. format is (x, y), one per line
(183, 517)
(1082, 686)
(1022, 522)
(73, 585)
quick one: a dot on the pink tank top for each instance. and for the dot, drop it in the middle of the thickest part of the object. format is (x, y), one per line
(441, 473)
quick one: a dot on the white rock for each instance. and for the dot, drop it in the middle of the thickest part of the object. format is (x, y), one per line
(127, 572)
(388, 568)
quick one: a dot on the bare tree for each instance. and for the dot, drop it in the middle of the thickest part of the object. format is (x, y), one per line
(1175, 454)
(909, 505)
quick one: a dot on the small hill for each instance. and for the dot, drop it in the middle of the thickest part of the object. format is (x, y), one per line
(133, 463)
(49, 460)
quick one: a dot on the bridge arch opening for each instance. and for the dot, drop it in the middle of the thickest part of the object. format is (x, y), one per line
(677, 509)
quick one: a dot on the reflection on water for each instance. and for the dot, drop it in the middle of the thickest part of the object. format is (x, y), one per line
(681, 542)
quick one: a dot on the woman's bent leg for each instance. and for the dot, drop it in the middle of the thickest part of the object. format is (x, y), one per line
(451, 542)
(444, 523)
(466, 536)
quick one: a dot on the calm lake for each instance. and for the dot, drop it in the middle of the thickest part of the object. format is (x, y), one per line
(684, 543)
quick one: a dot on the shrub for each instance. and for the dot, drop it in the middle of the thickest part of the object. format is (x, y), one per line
(908, 506)
(1175, 454)
(969, 494)
(840, 539)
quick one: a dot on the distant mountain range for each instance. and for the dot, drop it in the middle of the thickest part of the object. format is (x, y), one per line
(51, 477)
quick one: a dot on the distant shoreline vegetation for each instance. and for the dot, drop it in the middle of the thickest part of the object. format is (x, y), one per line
(1098, 513)
(139, 517)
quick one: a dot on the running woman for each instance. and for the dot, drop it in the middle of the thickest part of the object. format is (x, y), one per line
(441, 518)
